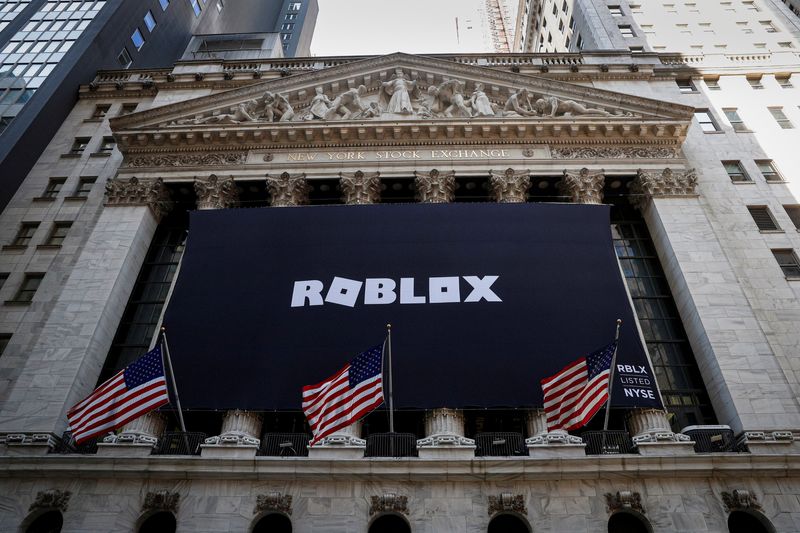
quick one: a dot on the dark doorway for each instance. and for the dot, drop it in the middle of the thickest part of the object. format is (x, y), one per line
(749, 522)
(160, 522)
(273, 523)
(508, 523)
(389, 524)
(624, 522)
(49, 522)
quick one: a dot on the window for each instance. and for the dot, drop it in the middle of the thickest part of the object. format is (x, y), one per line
(755, 82)
(164, 4)
(781, 118)
(287, 26)
(100, 111)
(291, 16)
(28, 288)
(736, 121)
(712, 84)
(768, 27)
(25, 234)
(686, 85)
(84, 187)
(794, 214)
(108, 144)
(751, 6)
(787, 260)
(564, 6)
(561, 25)
(196, 7)
(4, 340)
(53, 187)
(784, 80)
(636, 49)
(572, 23)
(220, 5)
(735, 171)
(786, 44)
(127, 109)
(626, 31)
(149, 21)
(79, 145)
(706, 121)
(768, 170)
(295, 6)
(58, 233)
(124, 58)
(138, 40)
(763, 218)
(286, 36)
(616, 11)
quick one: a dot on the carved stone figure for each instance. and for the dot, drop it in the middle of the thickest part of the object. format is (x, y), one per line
(274, 502)
(51, 499)
(320, 105)
(395, 95)
(448, 99)
(506, 502)
(240, 113)
(348, 104)
(552, 107)
(276, 108)
(481, 106)
(519, 105)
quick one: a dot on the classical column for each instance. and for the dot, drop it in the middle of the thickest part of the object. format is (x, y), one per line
(215, 193)
(556, 443)
(435, 187)
(238, 438)
(288, 190)
(510, 186)
(665, 184)
(444, 435)
(72, 345)
(144, 431)
(583, 187)
(359, 188)
(345, 443)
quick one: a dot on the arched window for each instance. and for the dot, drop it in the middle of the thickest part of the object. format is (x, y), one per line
(160, 522)
(48, 522)
(273, 523)
(749, 522)
(628, 522)
(389, 523)
(508, 523)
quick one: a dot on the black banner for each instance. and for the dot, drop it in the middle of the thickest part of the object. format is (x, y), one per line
(484, 301)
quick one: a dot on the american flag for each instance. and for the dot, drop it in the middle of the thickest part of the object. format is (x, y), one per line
(134, 391)
(574, 395)
(352, 392)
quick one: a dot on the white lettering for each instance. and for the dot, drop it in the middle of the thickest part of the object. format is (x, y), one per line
(444, 290)
(343, 291)
(379, 291)
(407, 292)
(310, 289)
(481, 289)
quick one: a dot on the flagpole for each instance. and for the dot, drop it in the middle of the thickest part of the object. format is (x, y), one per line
(611, 377)
(174, 386)
(389, 355)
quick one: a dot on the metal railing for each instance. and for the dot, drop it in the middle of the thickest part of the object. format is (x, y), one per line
(610, 442)
(284, 445)
(67, 444)
(391, 445)
(712, 439)
(500, 444)
(179, 443)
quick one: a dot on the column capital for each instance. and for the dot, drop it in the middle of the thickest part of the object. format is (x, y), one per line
(239, 428)
(135, 192)
(146, 429)
(435, 187)
(445, 427)
(214, 192)
(288, 189)
(668, 183)
(359, 188)
(510, 186)
(583, 186)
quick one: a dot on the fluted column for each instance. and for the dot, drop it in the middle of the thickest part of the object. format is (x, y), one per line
(583, 187)
(444, 436)
(215, 193)
(359, 188)
(510, 186)
(556, 443)
(146, 429)
(288, 190)
(242, 428)
(345, 443)
(435, 187)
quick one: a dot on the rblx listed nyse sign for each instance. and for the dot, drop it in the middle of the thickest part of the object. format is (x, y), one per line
(484, 301)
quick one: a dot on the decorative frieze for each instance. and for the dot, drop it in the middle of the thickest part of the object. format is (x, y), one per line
(584, 186)
(359, 188)
(187, 160)
(216, 193)
(614, 152)
(435, 187)
(388, 503)
(239, 428)
(273, 502)
(135, 192)
(668, 183)
(161, 500)
(740, 500)
(624, 500)
(288, 190)
(51, 499)
(507, 503)
(510, 186)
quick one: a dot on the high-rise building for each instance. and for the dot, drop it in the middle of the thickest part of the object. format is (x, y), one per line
(48, 47)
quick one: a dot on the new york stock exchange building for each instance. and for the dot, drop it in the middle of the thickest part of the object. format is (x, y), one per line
(501, 212)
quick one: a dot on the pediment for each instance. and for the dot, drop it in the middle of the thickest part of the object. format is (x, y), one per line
(400, 93)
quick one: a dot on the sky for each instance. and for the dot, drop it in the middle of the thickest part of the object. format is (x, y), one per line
(367, 27)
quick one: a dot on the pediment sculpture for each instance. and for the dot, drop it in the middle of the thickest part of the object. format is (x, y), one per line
(402, 98)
